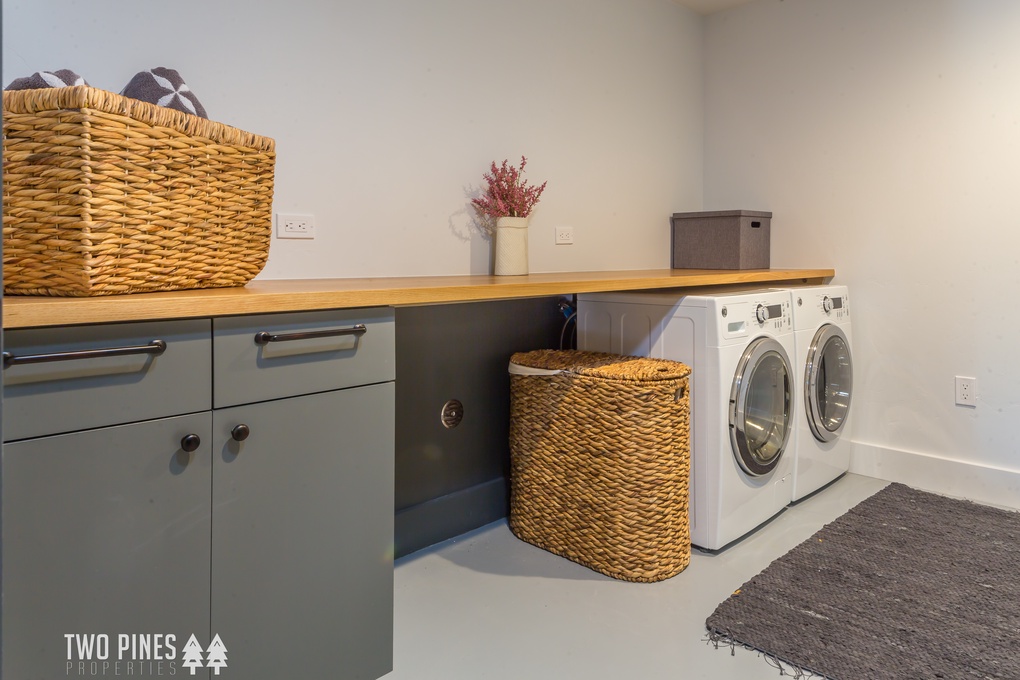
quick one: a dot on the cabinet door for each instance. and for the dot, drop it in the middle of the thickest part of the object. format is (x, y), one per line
(105, 532)
(302, 576)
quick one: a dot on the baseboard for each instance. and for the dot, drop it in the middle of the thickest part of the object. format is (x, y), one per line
(438, 519)
(956, 478)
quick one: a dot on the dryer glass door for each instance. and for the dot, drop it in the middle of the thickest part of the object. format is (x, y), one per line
(828, 382)
(760, 406)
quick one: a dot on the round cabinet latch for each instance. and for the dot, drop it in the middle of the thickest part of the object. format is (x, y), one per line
(453, 413)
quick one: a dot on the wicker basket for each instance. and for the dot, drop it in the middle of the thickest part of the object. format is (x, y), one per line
(104, 194)
(600, 460)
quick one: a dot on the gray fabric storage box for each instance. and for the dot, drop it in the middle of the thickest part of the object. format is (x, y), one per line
(723, 239)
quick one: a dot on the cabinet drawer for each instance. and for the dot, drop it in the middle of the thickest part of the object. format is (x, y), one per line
(257, 358)
(69, 392)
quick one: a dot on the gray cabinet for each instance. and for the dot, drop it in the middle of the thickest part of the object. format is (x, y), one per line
(132, 505)
(106, 527)
(302, 562)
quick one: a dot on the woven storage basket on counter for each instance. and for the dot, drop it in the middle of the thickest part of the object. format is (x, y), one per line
(600, 460)
(104, 194)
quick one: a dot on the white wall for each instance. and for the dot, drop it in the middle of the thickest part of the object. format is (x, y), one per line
(387, 112)
(885, 138)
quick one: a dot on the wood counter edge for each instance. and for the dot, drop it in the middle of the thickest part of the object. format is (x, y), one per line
(294, 295)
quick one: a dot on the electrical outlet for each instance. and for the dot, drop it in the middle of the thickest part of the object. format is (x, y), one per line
(564, 236)
(966, 391)
(295, 226)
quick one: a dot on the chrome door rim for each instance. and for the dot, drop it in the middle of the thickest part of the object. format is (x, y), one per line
(752, 356)
(819, 428)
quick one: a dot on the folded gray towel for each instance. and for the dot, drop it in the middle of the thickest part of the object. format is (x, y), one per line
(164, 86)
(40, 79)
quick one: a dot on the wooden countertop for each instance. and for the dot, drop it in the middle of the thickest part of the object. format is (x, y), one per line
(309, 294)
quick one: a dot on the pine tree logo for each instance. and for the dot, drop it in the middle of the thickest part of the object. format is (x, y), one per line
(217, 655)
(192, 654)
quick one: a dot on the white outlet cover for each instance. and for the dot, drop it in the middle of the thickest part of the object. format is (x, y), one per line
(295, 226)
(966, 391)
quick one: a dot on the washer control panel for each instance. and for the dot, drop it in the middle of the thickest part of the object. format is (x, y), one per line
(763, 312)
(773, 315)
(770, 313)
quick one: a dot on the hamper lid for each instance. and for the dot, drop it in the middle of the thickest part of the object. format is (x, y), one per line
(596, 364)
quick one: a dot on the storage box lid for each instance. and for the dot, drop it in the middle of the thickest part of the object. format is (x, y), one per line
(597, 365)
(723, 213)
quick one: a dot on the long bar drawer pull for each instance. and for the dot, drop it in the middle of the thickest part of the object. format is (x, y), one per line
(265, 337)
(156, 347)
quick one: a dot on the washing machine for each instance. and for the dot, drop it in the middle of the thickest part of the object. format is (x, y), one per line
(739, 346)
(825, 378)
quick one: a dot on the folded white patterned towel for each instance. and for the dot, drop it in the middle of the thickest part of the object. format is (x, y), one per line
(62, 78)
(165, 87)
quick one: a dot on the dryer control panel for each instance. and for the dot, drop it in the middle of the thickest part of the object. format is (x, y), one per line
(837, 306)
(833, 305)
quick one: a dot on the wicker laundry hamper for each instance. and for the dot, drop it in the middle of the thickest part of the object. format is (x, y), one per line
(600, 460)
(104, 194)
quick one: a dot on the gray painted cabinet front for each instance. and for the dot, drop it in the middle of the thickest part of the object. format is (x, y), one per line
(302, 582)
(280, 543)
(106, 532)
(51, 397)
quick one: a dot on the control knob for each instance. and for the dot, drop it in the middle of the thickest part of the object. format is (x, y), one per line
(762, 313)
(826, 305)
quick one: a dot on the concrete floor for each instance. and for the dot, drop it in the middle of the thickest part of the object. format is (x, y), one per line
(489, 606)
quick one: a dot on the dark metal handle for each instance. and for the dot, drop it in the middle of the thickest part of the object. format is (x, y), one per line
(240, 432)
(265, 337)
(190, 443)
(156, 347)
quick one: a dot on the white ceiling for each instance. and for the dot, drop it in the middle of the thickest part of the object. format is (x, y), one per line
(710, 6)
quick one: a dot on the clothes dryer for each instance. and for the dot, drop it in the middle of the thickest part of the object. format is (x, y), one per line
(825, 377)
(739, 346)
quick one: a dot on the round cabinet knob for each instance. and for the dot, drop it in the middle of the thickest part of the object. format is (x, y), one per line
(762, 313)
(190, 443)
(240, 432)
(826, 304)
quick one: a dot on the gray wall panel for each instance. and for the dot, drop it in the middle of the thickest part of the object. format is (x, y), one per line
(458, 351)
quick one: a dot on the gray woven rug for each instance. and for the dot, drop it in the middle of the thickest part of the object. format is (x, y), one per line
(907, 584)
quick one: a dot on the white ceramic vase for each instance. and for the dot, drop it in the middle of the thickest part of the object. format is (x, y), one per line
(511, 257)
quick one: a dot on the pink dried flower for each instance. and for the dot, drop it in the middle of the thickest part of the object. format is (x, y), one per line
(507, 194)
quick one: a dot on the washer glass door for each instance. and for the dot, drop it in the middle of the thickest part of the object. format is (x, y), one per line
(828, 382)
(761, 400)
